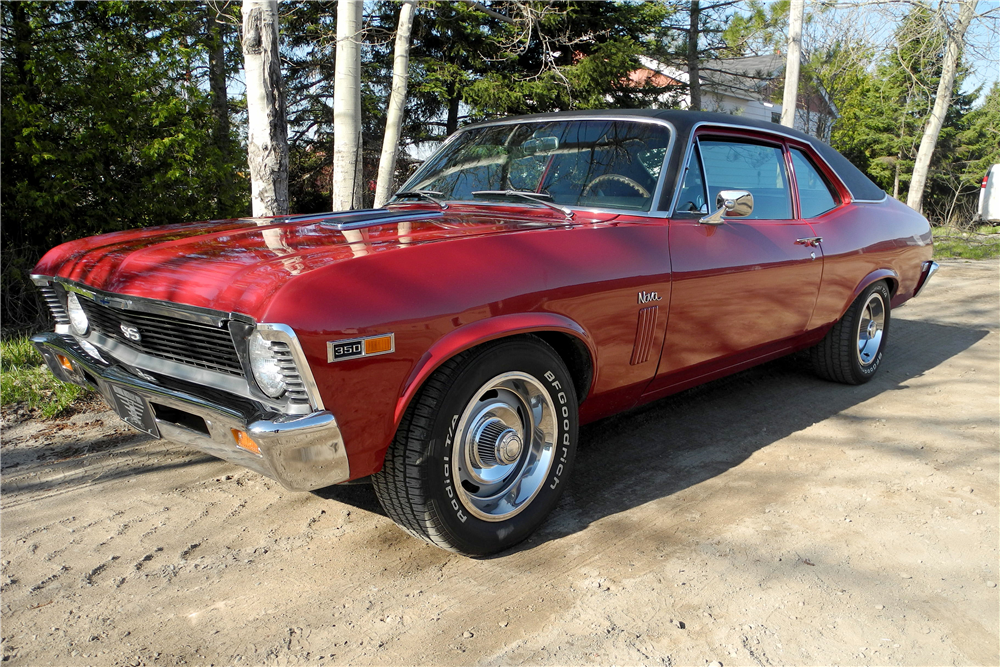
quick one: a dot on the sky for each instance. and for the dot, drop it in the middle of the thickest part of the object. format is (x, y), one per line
(984, 57)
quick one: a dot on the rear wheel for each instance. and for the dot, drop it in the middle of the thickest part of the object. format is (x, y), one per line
(484, 451)
(852, 351)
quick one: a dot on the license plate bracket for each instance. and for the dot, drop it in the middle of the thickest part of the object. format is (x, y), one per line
(133, 409)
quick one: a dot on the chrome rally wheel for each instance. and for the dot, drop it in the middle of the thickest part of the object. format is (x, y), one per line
(871, 326)
(505, 446)
(852, 351)
(485, 449)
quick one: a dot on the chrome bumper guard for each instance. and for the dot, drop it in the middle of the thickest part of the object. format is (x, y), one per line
(928, 270)
(301, 452)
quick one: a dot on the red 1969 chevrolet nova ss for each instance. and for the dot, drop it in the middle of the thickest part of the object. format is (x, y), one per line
(536, 273)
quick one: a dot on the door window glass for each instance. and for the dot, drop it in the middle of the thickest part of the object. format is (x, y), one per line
(815, 197)
(758, 168)
(692, 197)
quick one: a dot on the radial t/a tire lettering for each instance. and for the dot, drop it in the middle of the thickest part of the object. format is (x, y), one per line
(853, 350)
(485, 449)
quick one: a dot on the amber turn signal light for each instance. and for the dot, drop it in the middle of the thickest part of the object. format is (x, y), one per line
(244, 441)
(64, 362)
(378, 345)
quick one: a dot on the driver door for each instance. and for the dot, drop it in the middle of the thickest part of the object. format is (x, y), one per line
(743, 288)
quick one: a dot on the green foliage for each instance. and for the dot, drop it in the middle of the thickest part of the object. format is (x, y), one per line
(758, 31)
(19, 353)
(983, 243)
(884, 111)
(881, 131)
(25, 379)
(465, 65)
(978, 145)
(106, 126)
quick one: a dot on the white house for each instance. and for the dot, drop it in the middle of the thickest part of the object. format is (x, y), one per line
(743, 87)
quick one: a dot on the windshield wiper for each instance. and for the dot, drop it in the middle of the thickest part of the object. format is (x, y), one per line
(429, 195)
(536, 197)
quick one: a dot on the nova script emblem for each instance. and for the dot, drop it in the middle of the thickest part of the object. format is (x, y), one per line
(131, 332)
(646, 297)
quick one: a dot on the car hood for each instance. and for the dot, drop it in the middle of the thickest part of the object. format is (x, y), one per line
(238, 265)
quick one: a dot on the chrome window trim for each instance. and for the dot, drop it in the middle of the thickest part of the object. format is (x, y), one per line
(682, 178)
(285, 334)
(776, 133)
(653, 211)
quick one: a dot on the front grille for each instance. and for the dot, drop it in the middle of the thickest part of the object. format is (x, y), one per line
(55, 304)
(182, 341)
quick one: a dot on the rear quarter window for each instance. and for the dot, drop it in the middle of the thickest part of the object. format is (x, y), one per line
(816, 197)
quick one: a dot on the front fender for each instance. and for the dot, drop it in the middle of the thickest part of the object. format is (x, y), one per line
(483, 331)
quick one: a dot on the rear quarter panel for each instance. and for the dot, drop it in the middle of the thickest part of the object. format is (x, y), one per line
(864, 242)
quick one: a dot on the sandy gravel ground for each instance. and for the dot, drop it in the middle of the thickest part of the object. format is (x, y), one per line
(771, 518)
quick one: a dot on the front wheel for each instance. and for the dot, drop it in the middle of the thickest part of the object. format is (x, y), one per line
(852, 351)
(485, 450)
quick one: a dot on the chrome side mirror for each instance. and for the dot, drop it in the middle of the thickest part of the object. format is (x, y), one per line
(732, 203)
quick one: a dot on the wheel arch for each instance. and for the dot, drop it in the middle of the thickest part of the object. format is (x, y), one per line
(569, 340)
(890, 277)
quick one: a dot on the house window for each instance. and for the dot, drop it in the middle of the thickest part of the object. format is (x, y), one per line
(776, 117)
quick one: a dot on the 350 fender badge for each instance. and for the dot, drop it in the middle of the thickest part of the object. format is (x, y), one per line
(341, 350)
(646, 297)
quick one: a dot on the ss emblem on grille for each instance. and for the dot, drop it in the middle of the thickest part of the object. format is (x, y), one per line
(131, 332)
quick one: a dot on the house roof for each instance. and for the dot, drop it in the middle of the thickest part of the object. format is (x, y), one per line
(746, 78)
(753, 78)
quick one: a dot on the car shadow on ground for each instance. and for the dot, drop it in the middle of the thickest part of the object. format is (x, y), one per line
(675, 443)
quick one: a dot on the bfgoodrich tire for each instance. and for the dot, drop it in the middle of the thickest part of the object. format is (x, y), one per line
(485, 449)
(853, 350)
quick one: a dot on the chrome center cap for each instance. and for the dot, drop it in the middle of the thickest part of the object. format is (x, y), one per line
(872, 329)
(509, 447)
(497, 443)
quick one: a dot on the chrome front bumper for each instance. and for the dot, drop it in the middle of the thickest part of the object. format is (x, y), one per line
(301, 452)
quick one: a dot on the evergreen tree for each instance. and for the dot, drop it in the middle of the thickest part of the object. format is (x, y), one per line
(880, 129)
(106, 124)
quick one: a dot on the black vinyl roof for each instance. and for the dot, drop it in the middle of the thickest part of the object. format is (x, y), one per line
(860, 186)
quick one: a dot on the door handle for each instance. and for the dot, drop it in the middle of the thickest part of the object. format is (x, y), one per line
(810, 241)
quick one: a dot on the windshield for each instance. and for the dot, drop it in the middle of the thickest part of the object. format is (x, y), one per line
(611, 164)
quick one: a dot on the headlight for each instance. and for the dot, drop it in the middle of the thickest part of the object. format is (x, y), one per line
(265, 366)
(77, 318)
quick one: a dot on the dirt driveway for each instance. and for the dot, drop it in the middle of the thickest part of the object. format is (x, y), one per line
(770, 518)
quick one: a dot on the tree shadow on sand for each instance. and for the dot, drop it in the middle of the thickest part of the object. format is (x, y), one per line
(675, 443)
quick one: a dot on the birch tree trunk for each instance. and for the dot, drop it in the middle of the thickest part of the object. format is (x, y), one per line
(347, 108)
(267, 127)
(793, 62)
(397, 100)
(956, 41)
